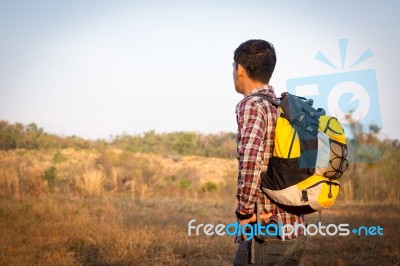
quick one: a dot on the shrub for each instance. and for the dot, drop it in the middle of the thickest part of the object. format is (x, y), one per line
(210, 186)
(59, 157)
(50, 175)
(185, 183)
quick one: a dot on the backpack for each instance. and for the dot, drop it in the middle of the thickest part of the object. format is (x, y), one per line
(310, 154)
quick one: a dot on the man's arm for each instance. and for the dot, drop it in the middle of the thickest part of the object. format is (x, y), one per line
(251, 124)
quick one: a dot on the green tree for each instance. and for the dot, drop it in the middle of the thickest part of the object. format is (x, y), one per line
(186, 143)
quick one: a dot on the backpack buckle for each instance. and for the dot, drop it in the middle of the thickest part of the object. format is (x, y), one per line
(304, 196)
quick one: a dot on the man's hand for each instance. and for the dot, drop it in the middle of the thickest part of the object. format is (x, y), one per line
(253, 219)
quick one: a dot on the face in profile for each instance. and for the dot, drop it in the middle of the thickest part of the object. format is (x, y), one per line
(235, 78)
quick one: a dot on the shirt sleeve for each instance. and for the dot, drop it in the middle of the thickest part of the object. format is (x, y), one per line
(251, 132)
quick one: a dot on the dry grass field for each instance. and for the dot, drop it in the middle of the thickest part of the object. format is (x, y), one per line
(117, 208)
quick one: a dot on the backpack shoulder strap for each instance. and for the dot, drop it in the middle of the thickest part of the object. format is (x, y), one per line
(274, 102)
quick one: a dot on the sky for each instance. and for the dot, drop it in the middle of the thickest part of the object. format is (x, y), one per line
(98, 69)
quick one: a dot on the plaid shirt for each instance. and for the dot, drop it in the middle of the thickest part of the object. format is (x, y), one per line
(256, 120)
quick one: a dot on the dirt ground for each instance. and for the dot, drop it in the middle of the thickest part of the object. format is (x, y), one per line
(357, 249)
(117, 230)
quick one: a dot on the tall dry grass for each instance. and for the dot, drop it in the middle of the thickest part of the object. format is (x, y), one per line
(122, 208)
(90, 182)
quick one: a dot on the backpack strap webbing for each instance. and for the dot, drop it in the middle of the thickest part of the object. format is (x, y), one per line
(274, 102)
(253, 240)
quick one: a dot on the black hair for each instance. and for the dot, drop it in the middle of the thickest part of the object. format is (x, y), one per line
(258, 58)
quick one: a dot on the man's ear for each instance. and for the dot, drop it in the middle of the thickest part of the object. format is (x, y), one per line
(241, 72)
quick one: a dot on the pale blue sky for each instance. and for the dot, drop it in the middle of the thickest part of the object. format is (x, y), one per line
(101, 68)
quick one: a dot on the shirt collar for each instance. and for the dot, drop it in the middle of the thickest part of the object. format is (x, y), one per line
(266, 89)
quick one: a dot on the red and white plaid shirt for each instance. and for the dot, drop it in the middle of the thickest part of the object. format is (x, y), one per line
(256, 119)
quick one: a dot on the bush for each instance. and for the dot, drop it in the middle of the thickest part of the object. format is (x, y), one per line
(210, 186)
(50, 175)
(59, 157)
(185, 183)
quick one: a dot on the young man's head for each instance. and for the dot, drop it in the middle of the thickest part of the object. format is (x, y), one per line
(256, 60)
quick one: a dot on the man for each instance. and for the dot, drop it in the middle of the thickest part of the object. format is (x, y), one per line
(254, 63)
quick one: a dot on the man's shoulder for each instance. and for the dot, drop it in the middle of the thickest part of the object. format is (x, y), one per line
(249, 101)
(255, 102)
